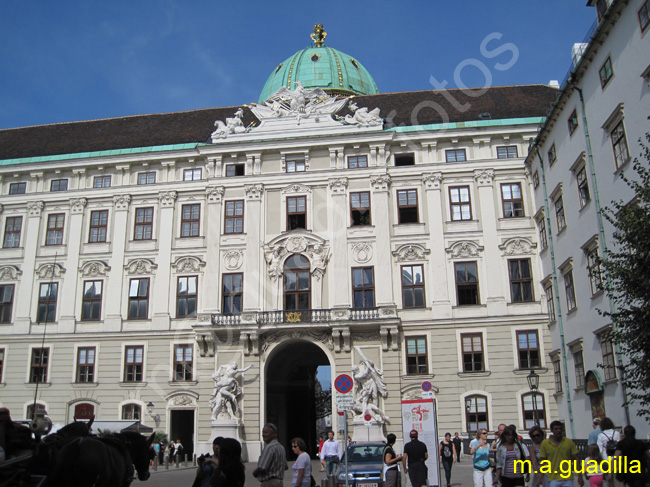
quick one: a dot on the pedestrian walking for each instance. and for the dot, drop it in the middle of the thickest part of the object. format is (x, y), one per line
(458, 444)
(321, 440)
(509, 451)
(595, 477)
(557, 449)
(537, 435)
(608, 438)
(415, 454)
(302, 466)
(480, 450)
(331, 453)
(391, 475)
(230, 471)
(272, 461)
(637, 450)
(172, 452)
(593, 434)
(447, 453)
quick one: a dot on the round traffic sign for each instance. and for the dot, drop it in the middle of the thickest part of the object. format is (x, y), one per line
(426, 386)
(367, 417)
(343, 383)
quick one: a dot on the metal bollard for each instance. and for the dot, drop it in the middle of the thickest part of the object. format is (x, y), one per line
(185, 460)
(155, 463)
(166, 463)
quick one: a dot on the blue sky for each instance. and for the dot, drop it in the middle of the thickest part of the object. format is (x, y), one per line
(80, 60)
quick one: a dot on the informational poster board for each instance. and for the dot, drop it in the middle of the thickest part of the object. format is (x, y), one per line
(420, 415)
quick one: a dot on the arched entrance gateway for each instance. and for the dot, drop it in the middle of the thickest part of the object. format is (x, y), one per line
(295, 399)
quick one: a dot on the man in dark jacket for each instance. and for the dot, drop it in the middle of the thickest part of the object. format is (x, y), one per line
(415, 454)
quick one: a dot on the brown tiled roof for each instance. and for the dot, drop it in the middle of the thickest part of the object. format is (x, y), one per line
(196, 126)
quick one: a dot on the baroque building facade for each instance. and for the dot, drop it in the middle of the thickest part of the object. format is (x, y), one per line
(590, 138)
(324, 226)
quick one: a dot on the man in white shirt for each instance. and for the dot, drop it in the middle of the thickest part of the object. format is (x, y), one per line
(331, 453)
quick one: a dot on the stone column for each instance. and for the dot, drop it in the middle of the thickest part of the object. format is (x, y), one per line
(168, 172)
(81, 178)
(381, 217)
(495, 298)
(209, 298)
(69, 296)
(437, 277)
(253, 259)
(161, 297)
(23, 303)
(339, 283)
(116, 287)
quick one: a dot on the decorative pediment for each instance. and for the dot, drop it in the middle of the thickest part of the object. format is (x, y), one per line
(182, 398)
(188, 264)
(9, 273)
(410, 252)
(49, 271)
(464, 249)
(94, 268)
(296, 188)
(140, 266)
(518, 246)
(314, 248)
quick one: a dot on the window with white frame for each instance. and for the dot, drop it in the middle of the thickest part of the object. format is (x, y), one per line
(6, 302)
(521, 280)
(572, 122)
(552, 155)
(466, 283)
(407, 206)
(190, 220)
(85, 365)
(147, 177)
(594, 269)
(47, 298)
(295, 165)
(460, 205)
(472, 350)
(476, 410)
(536, 179)
(550, 303)
(416, 355)
(13, 230)
(609, 361)
(606, 72)
(186, 296)
(619, 145)
(455, 155)
(91, 305)
(541, 225)
(507, 152)
(357, 161)
(183, 362)
(59, 185)
(557, 373)
(102, 182)
(534, 410)
(54, 234)
(133, 363)
(39, 364)
(17, 188)
(569, 289)
(559, 213)
(143, 226)
(234, 220)
(579, 366)
(583, 186)
(132, 411)
(512, 199)
(528, 349)
(193, 174)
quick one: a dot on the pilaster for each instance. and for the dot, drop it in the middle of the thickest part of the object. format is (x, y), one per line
(161, 297)
(337, 216)
(117, 287)
(210, 296)
(253, 254)
(382, 217)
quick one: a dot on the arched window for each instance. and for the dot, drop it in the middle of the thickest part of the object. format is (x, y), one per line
(532, 404)
(297, 285)
(131, 411)
(476, 409)
(83, 410)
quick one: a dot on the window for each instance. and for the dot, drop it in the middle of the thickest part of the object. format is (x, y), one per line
(619, 145)
(460, 204)
(536, 179)
(132, 411)
(296, 212)
(477, 413)
(2, 362)
(363, 287)
(521, 280)
(534, 411)
(579, 364)
(102, 182)
(407, 206)
(6, 302)
(192, 174)
(233, 294)
(17, 188)
(593, 268)
(472, 344)
(507, 152)
(59, 185)
(234, 216)
(543, 239)
(360, 208)
(91, 307)
(455, 155)
(416, 355)
(407, 159)
(357, 161)
(583, 187)
(609, 364)
(466, 283)
(30, 409)
(54, 234)
(296, 166)
(550, 303)
(601, 8)
(413, 286)
(573, 122)
(644, 15)
(559, 214)
(513, 203)
(297, 284)
(182, 362)
(557, 374)
(528, 349)
(47, 297)
(606, 72)
(146, 177)
(85, 364)
(13, 227)
(570, 291)
(552, 155)
(186, 297)
(38, 368)
(138, 299)
(133, 363)
(98, 226)
(190, 217)
(233, 170)
(143, 224)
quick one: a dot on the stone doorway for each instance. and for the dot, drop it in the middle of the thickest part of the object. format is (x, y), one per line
(295, 400)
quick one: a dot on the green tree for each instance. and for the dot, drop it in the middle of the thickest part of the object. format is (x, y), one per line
(626, 265)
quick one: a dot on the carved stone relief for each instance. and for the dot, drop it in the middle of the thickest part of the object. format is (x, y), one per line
(121, 202)
(380, 183)
(254, 191)
(214, 193)
(233, 259)
(463, 249)
(188, 264)
(140, 266)
(361, 252)
(35, 208)
(167, 198)
(338, 185)
(432, 180)
(410, 252)
(94, 268)
(77, 205)
(484, 177)
(49, 271)
(518, 246)
(9, 273)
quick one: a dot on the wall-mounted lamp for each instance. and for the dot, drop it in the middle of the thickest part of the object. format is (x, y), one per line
(150, 408)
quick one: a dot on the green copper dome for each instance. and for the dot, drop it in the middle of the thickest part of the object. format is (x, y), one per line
(321, 67)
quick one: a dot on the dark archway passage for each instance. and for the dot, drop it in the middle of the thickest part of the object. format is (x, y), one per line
(291, 391)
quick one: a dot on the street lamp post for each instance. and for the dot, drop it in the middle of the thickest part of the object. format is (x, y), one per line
(533, 384)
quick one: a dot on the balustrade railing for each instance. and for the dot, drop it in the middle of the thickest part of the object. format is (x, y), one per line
(297, 316)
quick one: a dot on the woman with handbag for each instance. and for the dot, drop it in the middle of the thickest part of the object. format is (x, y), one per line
(480, 450)
(509, 452)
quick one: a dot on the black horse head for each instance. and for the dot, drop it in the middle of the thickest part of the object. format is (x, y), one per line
(141, 452)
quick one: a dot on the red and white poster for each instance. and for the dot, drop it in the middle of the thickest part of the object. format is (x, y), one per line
(420, 415)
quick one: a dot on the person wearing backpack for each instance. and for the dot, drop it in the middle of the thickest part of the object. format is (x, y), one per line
(608, 438)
